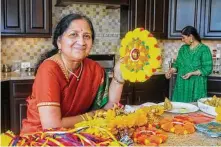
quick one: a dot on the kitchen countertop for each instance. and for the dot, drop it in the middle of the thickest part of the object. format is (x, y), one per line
(195, 139)
(17, 76)
(30, 75)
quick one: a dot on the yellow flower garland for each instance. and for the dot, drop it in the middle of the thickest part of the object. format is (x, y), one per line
(141, 55)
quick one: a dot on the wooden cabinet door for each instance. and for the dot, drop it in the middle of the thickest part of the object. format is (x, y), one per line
(151, 15)
(153, 90)
(140, 98)
(19, 91)
(211, 20)
(5, 106)
(19, 112)
(126, 98)
(183, 13)
(26, 18)
(137, 17)
(158, 21)
(127, 93)
(12, 16)
(38, 16)
(5, 115)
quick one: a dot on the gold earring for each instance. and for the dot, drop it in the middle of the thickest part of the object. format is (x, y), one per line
(191, 41)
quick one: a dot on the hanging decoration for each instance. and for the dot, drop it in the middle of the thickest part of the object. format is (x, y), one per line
(140, 55)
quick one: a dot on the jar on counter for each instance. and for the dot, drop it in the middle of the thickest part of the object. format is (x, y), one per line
(219, 56)
(6, 68)
(16, 65)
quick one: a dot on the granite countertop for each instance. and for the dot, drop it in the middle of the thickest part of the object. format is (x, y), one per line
(30, 75)
(17, 76)
(195, 139)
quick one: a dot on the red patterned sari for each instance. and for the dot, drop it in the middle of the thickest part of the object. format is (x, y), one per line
(52, 86)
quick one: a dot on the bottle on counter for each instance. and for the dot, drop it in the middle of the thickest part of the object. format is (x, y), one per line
(6, 68)
(219, 57)
(215, 61)
(171, 62)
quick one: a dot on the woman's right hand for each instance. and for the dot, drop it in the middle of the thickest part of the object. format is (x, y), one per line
(170, 72)
(168, 75)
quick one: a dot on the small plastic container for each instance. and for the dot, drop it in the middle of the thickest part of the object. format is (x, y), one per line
(206, 108)
(212, 129)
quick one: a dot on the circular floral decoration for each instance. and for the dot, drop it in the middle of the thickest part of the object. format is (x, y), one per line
(140, 54)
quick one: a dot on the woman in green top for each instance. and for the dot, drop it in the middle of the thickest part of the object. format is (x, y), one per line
(193, 65)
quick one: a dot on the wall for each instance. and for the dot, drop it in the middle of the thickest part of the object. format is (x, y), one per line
(107, 27)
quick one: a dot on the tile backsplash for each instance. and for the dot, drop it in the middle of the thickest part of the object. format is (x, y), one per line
(107, 29)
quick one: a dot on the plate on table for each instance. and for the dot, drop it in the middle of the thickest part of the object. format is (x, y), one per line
(133, 108)
(180, 107)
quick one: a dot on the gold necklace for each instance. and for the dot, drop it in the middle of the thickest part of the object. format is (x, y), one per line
(77, 76)
(195, 47)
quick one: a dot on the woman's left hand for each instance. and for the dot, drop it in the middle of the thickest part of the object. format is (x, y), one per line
(187, 76)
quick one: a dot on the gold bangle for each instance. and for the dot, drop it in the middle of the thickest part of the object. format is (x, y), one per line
(87, 116)
(119, 82)
(83, 117)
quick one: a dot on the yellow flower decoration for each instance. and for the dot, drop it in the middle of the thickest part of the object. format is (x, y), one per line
(218, 111)
(141, 55)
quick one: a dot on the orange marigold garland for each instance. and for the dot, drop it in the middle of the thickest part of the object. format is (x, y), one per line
(149, 135)
(177, 125)
(141, 55)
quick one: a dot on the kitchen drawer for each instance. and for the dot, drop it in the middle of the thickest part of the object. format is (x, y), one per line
(214, 84)
(21, 88)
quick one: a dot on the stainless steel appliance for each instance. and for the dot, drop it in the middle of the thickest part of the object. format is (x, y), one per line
(107, 61)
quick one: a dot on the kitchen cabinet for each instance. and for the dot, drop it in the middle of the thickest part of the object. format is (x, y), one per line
(26, 18)
(5, 109)
(211, 23)
(183, 13)
(19, 91)
(213, 86)
(127, 94)
(153, 90)
(64, 3)
(149, 14)
(202, 14)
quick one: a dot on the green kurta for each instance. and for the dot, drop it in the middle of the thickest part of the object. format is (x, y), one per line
(189, 60)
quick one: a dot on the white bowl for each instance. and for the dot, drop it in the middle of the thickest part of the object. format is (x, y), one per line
(206, 108)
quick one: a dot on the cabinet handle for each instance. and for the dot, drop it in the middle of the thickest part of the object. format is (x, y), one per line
(138, 98)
